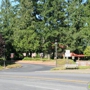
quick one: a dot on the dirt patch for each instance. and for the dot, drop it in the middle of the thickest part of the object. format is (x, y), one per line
(38, 62)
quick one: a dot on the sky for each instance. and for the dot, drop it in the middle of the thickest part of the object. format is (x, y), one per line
(13, 3)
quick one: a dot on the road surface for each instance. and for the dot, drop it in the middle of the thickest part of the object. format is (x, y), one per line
(38, 77)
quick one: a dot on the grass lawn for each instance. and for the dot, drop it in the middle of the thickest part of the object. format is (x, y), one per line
(84, 67)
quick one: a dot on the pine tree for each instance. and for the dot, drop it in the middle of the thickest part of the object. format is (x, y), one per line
(87, 27)
(76, 23)
(51, 22)
(25, 36)
(6, 23)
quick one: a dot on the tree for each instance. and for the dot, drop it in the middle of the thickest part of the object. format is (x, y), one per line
(25, 38)
(25, 41)
(87, 51)
(87, 23)
(6, 24)
(76, 24)
(34, 25)
(51, 22)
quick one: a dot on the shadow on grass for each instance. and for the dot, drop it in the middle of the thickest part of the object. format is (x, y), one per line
(9, 64)
(6, 63)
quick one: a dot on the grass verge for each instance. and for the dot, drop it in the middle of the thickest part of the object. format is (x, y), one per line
(84, 67)
(61, 65)
(10, 66)
(14, 66)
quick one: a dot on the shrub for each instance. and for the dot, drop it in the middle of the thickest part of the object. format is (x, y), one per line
(87, 51)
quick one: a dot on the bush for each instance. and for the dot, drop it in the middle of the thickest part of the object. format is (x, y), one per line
(87, 51)
(26, 58)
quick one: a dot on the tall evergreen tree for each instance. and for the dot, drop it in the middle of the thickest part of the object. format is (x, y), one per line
(51, 16)
(87, 26)
(76, 23)
(6, 23)
(25, 36)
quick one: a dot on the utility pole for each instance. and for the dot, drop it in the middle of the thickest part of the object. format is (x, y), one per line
(4, 59)
(56, 51)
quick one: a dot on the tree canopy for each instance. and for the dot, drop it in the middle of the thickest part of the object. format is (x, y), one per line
(34, 25)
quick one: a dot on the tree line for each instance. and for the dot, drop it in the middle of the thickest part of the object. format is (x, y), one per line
(34, 26)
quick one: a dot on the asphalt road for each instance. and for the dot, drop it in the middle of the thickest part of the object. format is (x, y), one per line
(29, 68)
(38, 77)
